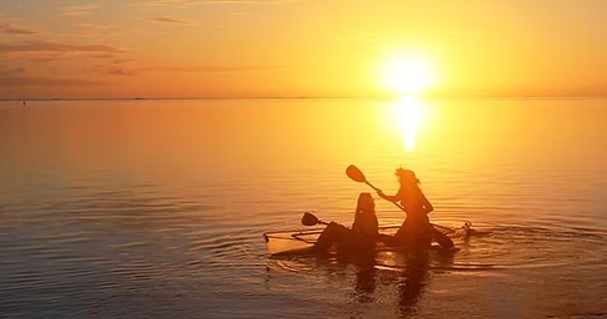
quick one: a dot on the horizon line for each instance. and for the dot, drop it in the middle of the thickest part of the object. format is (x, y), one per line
(390, 97)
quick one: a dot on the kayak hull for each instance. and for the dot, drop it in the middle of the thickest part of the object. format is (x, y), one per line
(289, 242)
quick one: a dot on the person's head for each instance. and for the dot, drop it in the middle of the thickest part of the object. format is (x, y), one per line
(406, 176)
(365, 203)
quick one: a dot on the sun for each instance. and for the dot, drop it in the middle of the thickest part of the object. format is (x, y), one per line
(407, 73)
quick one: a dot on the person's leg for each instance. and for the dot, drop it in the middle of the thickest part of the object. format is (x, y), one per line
(333, 234)
(413, 235)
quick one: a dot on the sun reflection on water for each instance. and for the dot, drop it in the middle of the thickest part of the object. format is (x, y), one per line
(410, 115)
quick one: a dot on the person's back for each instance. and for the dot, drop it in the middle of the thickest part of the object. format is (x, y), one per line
(365, 226)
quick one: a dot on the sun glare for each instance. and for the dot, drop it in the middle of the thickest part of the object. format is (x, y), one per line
(407, 74)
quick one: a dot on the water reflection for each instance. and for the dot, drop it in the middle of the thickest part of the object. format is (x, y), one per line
(365, 280)
(393, 278)
(410, 115)
(412, 282)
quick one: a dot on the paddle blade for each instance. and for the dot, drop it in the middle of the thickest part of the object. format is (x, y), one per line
(355, 174)
(308, 219)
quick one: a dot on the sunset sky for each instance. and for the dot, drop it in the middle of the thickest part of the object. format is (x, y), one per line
(231, 48)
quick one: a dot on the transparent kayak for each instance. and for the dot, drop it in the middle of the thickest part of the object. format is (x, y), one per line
(299, 241)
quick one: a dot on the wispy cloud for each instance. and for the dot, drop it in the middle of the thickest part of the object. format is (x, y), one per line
(210, 69)
(117, 70)
(235, 1)
(15, 29)
(80, 10)
(100, 56)
(40, 51)
(11, 70)
(168, 20)
(123, 60)
(47, 46)
(169, 2)
(14, 81)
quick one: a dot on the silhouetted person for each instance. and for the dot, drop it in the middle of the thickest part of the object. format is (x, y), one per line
(360, 239)
(416, 231)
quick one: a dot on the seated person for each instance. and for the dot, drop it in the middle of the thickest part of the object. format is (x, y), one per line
(362, 236)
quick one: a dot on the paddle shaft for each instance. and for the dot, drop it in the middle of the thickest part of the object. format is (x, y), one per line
(395, 203)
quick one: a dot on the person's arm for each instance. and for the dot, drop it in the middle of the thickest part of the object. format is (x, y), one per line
(425, 203)
(394, 198)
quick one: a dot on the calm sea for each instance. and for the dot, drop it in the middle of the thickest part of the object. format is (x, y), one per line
(156, 209)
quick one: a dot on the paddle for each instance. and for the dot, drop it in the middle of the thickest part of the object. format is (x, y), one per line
(308, 219)
(357, 175)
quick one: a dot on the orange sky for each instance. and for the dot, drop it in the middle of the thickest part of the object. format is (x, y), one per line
(238, 48)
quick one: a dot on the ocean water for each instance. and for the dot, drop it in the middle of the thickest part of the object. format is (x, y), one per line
(156, 209)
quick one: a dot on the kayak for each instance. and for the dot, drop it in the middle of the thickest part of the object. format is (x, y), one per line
(298, 241)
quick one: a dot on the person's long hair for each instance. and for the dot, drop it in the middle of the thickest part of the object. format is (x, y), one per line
(407, 177)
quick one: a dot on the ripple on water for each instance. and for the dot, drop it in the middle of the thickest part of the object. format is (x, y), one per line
(499, 247)
(535, 247)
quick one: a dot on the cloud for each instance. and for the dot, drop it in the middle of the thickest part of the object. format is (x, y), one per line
(234, 1)
(50, 52)
(209, 69)
(170, 2)
(80, 10)
(123, 60)
(11, 28)
(5, 70)
(10, 80)
(168, 20)
(121, 71)
(100, 56)
(47, 46)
